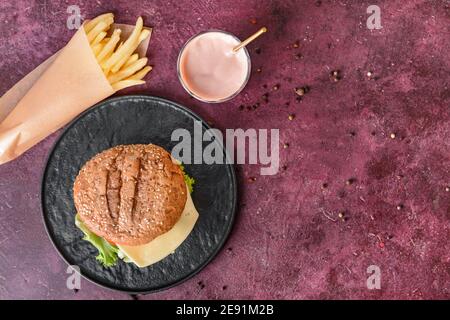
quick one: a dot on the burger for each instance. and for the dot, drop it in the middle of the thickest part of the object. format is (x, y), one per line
(133, 203)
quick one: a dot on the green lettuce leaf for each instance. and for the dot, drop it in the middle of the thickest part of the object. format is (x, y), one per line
(189, 181)
(107, 253)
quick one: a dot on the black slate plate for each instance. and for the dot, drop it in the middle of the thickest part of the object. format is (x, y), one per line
(128, 120)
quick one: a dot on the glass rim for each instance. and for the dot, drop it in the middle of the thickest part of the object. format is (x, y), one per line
(191, 93)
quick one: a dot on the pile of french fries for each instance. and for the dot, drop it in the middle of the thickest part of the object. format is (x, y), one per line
(118, 60)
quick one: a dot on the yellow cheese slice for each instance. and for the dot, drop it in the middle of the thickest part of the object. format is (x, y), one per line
(167, 243)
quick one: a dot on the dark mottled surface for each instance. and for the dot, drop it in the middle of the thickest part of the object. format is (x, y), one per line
(288, 240)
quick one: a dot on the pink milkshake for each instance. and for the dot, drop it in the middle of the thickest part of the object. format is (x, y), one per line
(210, 70)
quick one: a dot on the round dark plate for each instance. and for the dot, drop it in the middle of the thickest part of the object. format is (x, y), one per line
(129, 120)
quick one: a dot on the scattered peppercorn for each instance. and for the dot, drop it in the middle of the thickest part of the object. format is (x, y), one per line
(284, 167)
(258, 50)
(296, 44)
(253, 21)
(251, 179)
(300, 91)
(286, 145)
(298, 56)
(241, 107)
(393, 136)
(447, 189)
(201, 284)
(224, 288)
(325, 185)
(399, 207)
(276, 87)
(259, 70)
(350, 181)
(369, 73)
(335, 75)
(341, 215)
(291, 117)
(264, 86)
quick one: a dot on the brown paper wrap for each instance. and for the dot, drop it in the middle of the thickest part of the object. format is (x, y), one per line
(53, 94)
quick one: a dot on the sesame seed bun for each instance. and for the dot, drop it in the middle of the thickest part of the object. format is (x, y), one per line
(130, 194)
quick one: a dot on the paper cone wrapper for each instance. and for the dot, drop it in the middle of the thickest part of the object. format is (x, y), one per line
(52, 95)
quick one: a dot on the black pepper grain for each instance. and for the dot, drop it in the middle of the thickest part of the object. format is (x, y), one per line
(335, 75)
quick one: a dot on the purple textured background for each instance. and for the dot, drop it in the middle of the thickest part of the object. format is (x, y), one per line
(288, 240)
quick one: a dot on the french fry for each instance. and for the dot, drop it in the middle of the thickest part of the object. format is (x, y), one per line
(98, 38)
(107, 71)
(101, 26)
(92, 23)
(97, 48)
(144, 34)
(140, 74)
(110, 45)
(125, 84)
(120, 64)
(97, 29)
(125, 60)
(105, 40)
(133, 58)
(122, 74)
(128, 47)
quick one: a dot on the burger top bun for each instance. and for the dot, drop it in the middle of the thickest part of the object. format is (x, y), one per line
(130, 194)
